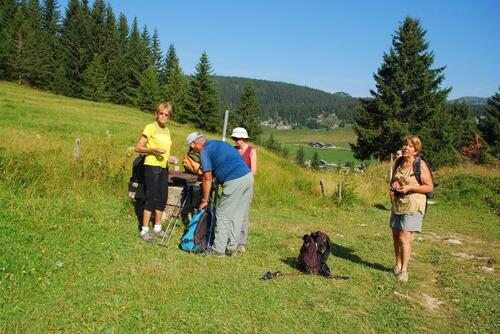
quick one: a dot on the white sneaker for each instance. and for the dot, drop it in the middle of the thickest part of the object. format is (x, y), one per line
(403, 276)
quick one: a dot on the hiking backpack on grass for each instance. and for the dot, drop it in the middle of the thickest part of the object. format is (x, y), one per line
(199, 235)
(314, 254)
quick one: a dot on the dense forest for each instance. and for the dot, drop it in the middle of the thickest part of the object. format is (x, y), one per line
(290, 104)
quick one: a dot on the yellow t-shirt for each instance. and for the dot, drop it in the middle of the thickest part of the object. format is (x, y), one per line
(157, 137)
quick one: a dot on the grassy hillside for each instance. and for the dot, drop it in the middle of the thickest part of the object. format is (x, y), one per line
(71, 260)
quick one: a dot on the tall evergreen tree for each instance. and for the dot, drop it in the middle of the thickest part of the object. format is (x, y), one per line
(119, 72)
(8, 10)
(490, 125)
(51, 18)
(94, 81)
(203, 98)
(31, 61)
(300, 156)
(175, 90)
(98, 28)
(148, 92)
(247, 116)
(136, 58)
(75, 44)
(315, 160)
(146, 46)
(408, 100)
(156, 55)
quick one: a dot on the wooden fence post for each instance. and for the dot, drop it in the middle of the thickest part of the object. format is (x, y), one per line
(322, 186)
(340, 192)
(77, 148)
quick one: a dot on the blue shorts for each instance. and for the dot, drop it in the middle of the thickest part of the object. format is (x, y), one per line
(409, 223)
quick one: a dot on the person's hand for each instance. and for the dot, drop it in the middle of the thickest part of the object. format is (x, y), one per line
(405, 189)
(202, 205)
(173, 160)
(158, 150)
(395, 186)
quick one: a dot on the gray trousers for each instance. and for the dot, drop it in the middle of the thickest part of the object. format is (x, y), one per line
(231, 213)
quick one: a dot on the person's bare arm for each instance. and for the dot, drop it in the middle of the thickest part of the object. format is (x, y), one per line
(253, 161)
(206, 185)
(140, 147)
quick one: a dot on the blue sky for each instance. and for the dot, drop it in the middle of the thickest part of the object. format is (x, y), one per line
(329, 45)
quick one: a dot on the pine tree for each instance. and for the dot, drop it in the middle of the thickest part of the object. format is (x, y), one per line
(75, 41)
(176, 89)
(30, 63)
(490, 125)
(203, 98)
(51, 18)
(148, 92)
(8, 10)
(119, 72)
(136, 59)
(315, 160)
(408, 100)
(247, 116)
(146, 47)
(156, 55)
(98, 28)
(300, 156)
(94, 82)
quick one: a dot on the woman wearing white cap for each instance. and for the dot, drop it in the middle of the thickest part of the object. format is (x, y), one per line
(248, 152)
(249, 155)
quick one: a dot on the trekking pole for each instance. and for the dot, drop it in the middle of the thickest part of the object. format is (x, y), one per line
(179, 210)
(322, 186)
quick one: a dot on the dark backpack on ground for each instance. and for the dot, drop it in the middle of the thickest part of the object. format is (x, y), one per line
(314, 254)
(136, 184)
(199, 235)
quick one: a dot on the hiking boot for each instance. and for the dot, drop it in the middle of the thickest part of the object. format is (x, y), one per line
(215, 253)
(396, 270)
(231, 252)
(160, 234)
(241, 249)
(403, 276)
(148, 238)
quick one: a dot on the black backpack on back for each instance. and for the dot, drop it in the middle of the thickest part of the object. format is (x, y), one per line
(314, 254)
(417, 170)
(136, 184)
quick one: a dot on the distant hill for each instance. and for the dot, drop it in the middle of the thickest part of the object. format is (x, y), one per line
(288, 104)
(476, 103)
(291, 104)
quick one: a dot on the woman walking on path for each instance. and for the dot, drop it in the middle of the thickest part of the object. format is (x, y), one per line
(409, 204)
(155, 142)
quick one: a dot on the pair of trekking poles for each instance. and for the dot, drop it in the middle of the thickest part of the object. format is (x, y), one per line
(173, 221)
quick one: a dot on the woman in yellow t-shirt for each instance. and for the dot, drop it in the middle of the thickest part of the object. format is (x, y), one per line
(155, 142)
(408, 206)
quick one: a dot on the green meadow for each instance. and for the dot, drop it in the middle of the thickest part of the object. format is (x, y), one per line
(71, 260)
(340, 137)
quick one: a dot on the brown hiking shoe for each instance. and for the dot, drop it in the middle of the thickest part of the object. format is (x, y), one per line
(147, 237)
(403, 276)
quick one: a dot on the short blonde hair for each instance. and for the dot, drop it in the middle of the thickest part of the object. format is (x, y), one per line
(415, 141)
(164, 107)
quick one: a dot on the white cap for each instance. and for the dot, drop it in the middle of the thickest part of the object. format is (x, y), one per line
(193, 136)
(239, 133)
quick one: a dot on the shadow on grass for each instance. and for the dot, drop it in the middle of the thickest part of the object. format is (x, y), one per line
(381, 206)
(293, 262)
(348, 254)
